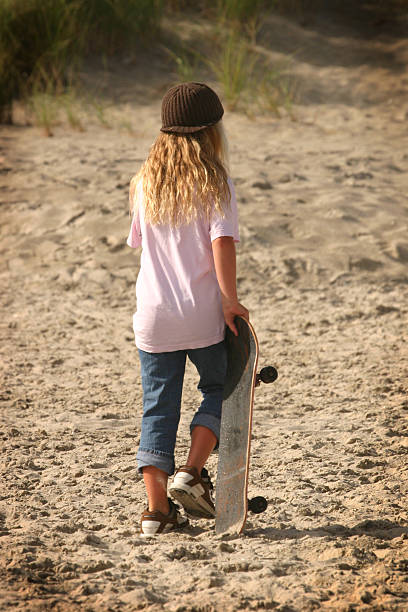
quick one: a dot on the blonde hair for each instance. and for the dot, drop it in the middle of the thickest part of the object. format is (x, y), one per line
(184, 177)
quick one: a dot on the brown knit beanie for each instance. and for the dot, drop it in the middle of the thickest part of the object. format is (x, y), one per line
(190, 107)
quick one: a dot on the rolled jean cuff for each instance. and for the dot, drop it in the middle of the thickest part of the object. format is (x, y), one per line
(158, 459)
(209, 421)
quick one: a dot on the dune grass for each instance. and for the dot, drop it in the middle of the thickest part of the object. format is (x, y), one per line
(74, 108)
(251, 82)
(48, 106)
(248, 80)
(233, 67)
(115, 25)
(43, 42)
(187, 62)
(36, 40)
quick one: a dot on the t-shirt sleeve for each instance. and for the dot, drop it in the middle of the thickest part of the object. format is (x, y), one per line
(227, 225)
(134, 239)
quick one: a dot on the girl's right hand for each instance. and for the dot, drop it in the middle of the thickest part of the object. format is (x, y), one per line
(232, 308)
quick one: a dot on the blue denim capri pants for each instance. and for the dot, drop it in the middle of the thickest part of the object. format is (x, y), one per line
(162, 382)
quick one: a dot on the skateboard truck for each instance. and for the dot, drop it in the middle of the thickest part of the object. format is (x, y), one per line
(258, 504)
(267, 375)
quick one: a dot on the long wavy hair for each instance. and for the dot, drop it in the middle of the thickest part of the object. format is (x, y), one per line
(184, 177)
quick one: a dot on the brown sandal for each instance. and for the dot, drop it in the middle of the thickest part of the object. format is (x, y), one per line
(155, 522)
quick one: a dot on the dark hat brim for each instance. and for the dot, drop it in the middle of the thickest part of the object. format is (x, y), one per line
(187, 129)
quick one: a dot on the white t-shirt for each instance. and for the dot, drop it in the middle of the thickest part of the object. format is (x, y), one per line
(178, 297)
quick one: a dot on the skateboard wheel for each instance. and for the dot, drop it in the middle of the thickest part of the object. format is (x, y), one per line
(268, 374)
(257, 505)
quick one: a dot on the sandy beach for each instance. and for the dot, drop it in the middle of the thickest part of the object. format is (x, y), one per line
(323, 269)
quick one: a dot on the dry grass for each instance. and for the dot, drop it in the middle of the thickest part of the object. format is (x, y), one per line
(43, 42)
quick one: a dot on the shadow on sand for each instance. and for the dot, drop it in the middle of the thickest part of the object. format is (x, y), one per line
(382, 529)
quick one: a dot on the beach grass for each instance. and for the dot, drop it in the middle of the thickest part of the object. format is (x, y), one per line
(187, 62)
(50, 106)
(43, 41)
(115, 25)
(233, 67)
(240, 10)
(43, 44)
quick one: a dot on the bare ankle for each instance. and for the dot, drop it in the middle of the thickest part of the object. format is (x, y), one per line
(194, 465)
(156, 487)
(162, 507)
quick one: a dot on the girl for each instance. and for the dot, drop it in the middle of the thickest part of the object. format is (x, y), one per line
(185, 219)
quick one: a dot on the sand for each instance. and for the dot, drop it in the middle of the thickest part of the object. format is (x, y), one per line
(323, 268)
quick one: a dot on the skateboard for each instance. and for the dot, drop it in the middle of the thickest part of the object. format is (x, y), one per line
(231, 502)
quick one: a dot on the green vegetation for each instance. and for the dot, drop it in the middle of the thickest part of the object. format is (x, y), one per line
(234, 67)
(36, 41)
(114, 25)
(43, 42)
(240, 10)
(47, 108)
(249, 81)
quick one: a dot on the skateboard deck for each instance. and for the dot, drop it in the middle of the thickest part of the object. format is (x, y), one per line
(231, 504)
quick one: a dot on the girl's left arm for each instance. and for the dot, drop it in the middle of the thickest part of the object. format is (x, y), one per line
(225, 268)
